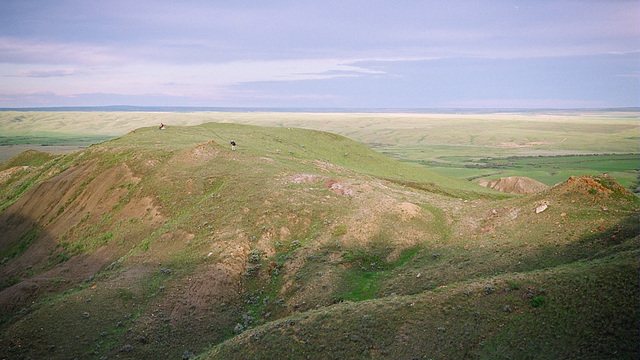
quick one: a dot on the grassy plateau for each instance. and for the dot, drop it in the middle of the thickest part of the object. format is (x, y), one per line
(323, 236)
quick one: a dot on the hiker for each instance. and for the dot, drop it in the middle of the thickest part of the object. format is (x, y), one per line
(162, 126)
(233, 145)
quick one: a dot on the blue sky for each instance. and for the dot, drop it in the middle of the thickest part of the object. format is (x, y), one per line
(347, 53)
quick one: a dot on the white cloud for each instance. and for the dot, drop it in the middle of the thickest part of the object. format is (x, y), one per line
(21, 51)
(45, 73)
(158, 78)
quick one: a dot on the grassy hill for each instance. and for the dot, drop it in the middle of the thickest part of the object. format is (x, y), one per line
(168, 244)
(546, 145)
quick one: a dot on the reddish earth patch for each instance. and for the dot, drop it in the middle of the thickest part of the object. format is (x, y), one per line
(338, 188)
(589, 185)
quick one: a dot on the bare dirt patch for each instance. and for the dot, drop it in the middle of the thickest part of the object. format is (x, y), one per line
(205, 150)
(591, 186)
(514, 185)
(62, 208)
(338, 188)
(305, 179)
(394, 217)
(210, 285)
(6, 174)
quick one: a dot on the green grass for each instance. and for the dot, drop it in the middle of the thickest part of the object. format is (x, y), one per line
(23, 243)
(39, 166)
(467, 322)
(52, 139)
(549, 170)
(367, 270)
(216, 208)
(27, 158)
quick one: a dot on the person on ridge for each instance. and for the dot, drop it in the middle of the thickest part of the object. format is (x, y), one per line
(233, 145)
(162, 126)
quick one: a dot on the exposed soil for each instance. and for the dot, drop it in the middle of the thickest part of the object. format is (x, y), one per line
(6, 174)
(514, 185)
(73, 200)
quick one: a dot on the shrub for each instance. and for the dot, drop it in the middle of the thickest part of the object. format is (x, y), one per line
(538, 301)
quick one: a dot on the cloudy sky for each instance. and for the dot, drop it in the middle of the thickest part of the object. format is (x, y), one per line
(298, 53)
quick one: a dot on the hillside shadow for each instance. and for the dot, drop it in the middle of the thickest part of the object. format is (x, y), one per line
(33, 266)
(592, 245)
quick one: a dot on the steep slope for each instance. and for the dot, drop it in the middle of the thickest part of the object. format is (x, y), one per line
(161, 244)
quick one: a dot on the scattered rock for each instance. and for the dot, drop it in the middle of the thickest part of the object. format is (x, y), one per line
(186, 355)
(238, 328)
(165, 271)
(507, 308)
(489, 289)
(86, 315)
(541, 208)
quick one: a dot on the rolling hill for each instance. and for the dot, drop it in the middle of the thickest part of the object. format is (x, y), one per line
(303, 244)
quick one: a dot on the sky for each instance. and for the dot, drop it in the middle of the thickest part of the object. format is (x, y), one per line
(321, 54)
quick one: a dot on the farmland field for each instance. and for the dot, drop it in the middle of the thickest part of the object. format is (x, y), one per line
(548, 146)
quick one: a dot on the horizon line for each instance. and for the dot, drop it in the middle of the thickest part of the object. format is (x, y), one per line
(144, 108)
